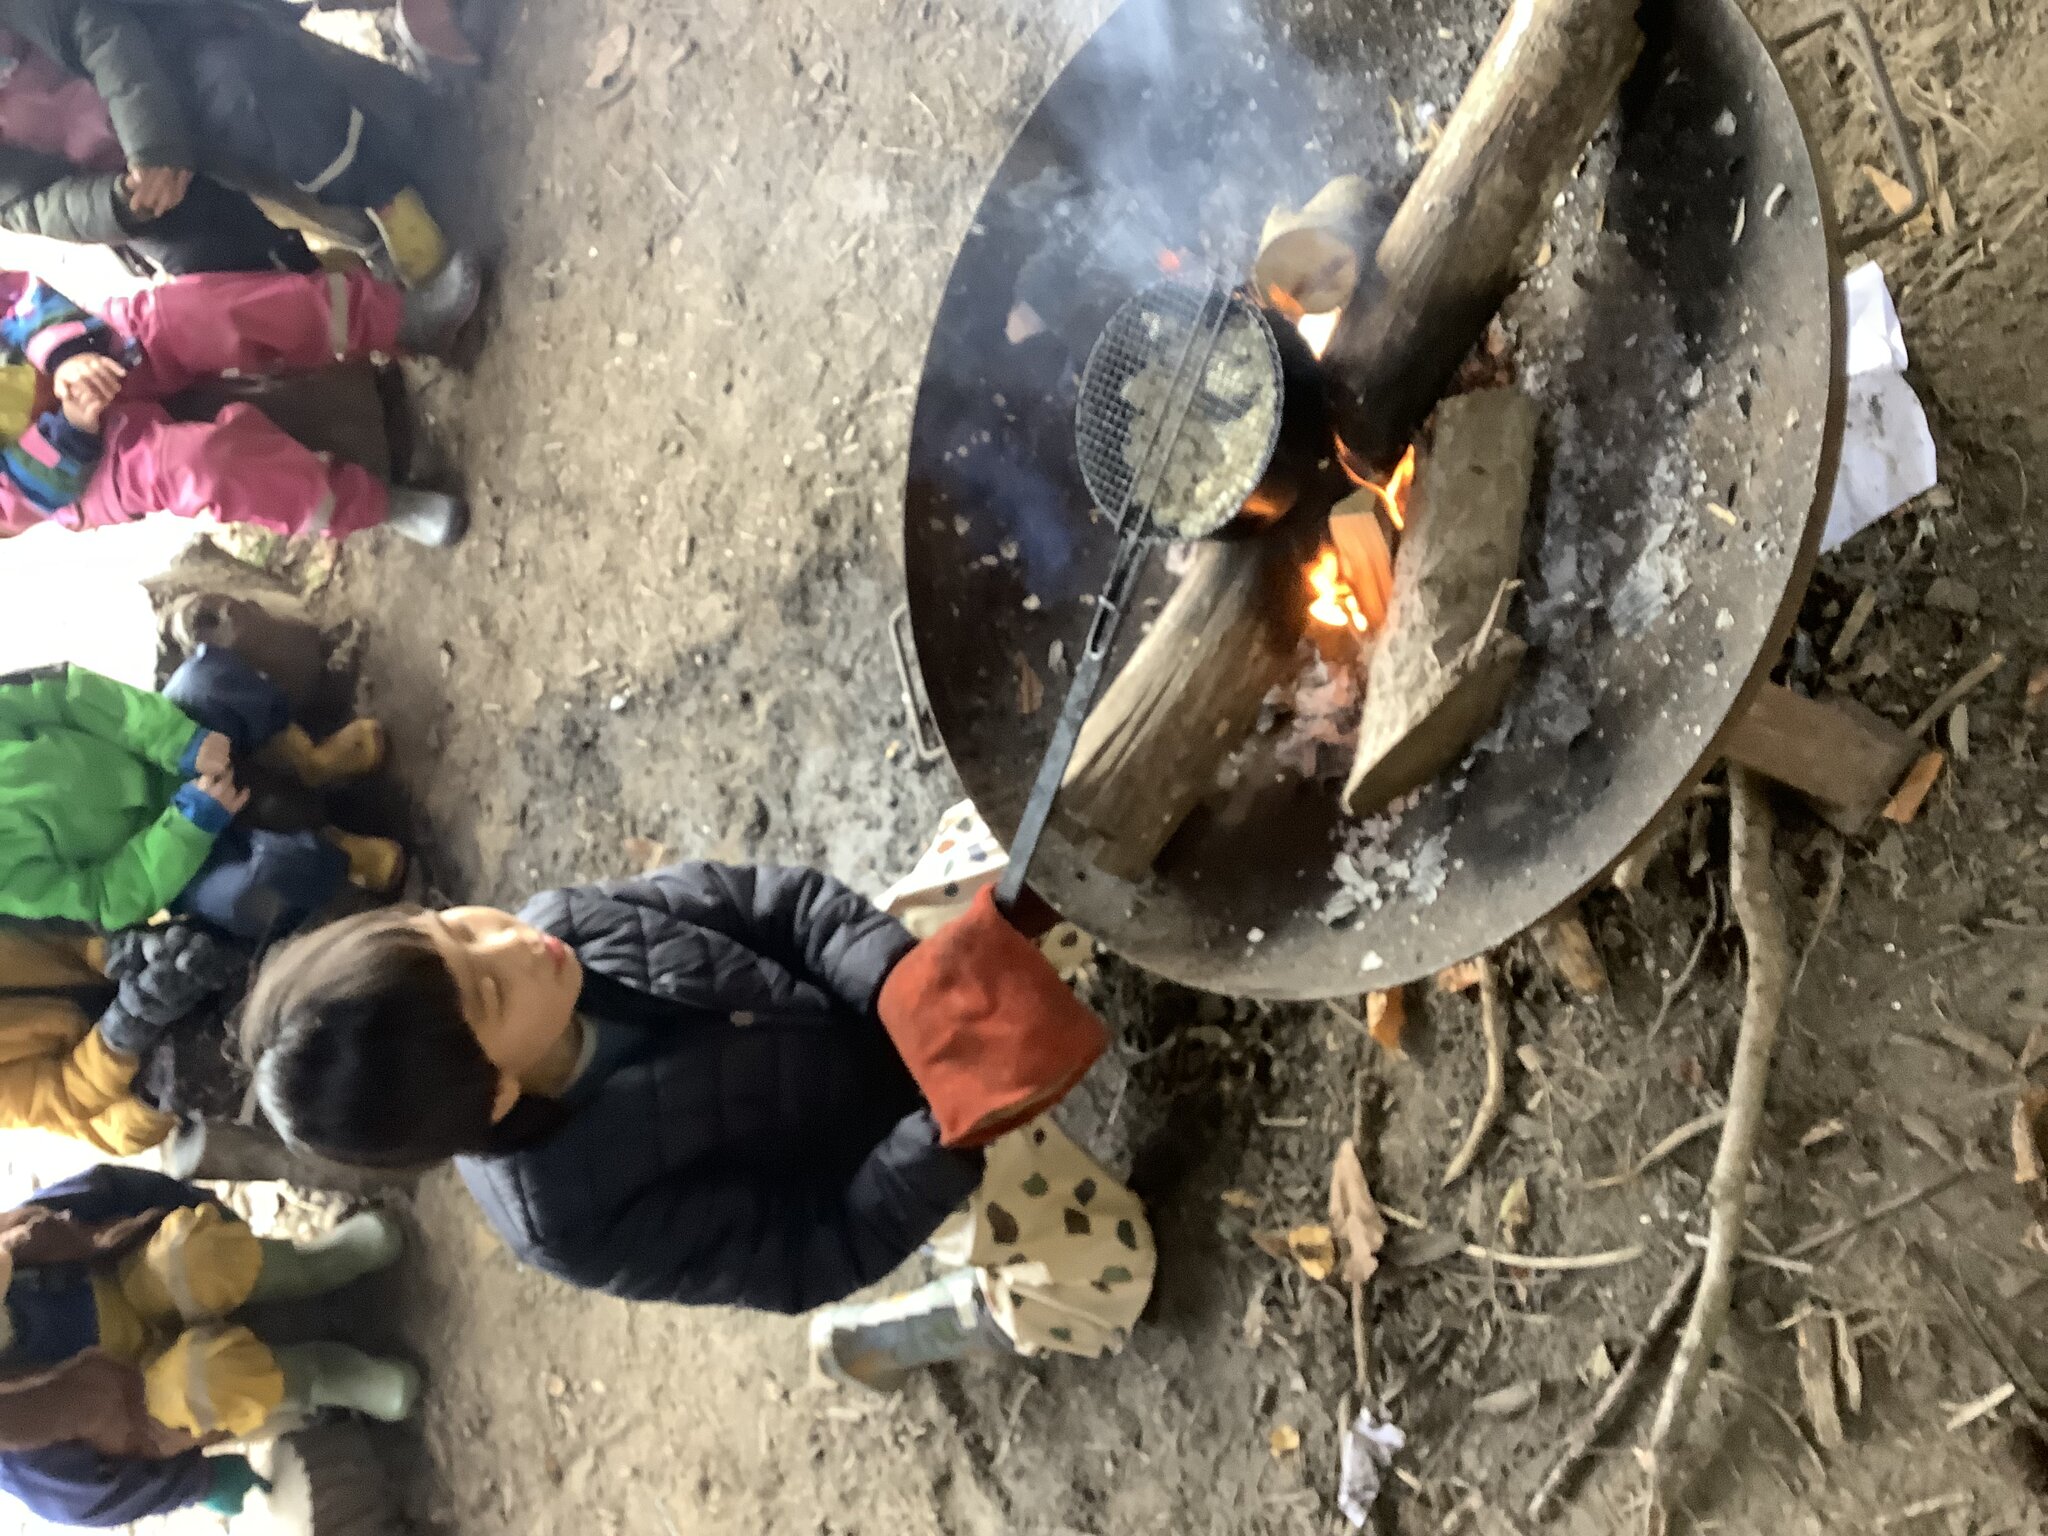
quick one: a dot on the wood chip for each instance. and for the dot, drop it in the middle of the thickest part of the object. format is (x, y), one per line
(1852, 627)
(1567, 948)
(608, 60)
(1897, 196)
(1983, 1407)
(1827, 1130)
(1508, 1401)
(1386, 1020)
(1959, 732)
(2037, 689)
(1515, 1213)
(1284, 1441)
(1912, 795)
(1940, 1505)
(1847, 1366)
(1030, 691)
(1816, 1346)
(1462, 977)
(2028, 1163)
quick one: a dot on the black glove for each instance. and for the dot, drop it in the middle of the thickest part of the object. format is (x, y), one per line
(163, 975)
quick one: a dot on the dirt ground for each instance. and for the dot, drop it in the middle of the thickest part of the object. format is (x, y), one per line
(686, 437)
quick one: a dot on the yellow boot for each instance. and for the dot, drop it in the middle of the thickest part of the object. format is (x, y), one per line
(417, 246)
(375, 864)
(353, 752)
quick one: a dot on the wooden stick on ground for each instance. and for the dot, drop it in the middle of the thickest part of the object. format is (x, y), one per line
(1496, 1076)
(1589, 1430)
(1763, 929)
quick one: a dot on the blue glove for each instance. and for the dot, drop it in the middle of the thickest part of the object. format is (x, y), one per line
(233, 1478)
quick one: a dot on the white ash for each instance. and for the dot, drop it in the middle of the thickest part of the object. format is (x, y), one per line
(1370, 871)
(1317, 716)
(1656, 581)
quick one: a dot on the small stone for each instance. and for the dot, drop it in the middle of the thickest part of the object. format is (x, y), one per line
(1695, 384)
(1948, 595)
(1724, 125)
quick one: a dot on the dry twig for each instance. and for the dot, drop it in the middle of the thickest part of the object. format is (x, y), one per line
(1964, 686)
(1558, 1262)
(1754, 891)
(1677, 988)
(1496, 1075)
(1589, 1430)
(1663, 1149)
(1830, 902)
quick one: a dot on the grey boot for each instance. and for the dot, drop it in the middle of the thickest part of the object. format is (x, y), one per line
(437, 310)
(320, 1376)
(878, 1344)
(427, 517)
(360, 1246)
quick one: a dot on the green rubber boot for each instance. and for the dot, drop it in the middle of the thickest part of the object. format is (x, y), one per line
(320, 1376)
(362, 1245)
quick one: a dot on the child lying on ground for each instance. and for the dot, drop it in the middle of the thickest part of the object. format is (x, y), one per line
(72, 1036)
(676, 1088)
(118, 1364)
(88, 441)
(116, 804)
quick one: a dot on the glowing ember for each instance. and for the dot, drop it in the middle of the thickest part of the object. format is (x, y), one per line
(1334, 603)
(1317, 330)
(1169, 261)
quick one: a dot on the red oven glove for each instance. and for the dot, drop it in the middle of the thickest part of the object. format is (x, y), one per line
(986, 1026)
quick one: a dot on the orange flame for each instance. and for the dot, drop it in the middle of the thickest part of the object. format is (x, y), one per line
(1334, 604)
(1169, 261)
(1394, 494)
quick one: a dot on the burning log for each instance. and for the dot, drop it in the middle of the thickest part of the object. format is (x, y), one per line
(1363, 556)
(1444, 663)
(1310, 257)
(1458, 245)
(1192, 689)
(1224, 640)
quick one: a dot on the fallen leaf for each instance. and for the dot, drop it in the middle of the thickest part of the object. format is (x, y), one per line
(1315, 1250)
(1284, 1441)
(1912, 795)
(644, 853)
(1240, 1200)
(609, 58)
(1508, 1401)
(1386, 1020)
(1827, 1130)
(2028, 1164)
(1030, 691)
(1354, 1218)
(1462, 977)
(1514, 1213)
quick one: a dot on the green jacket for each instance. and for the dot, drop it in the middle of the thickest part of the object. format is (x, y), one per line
(91, 825)
(102, 41)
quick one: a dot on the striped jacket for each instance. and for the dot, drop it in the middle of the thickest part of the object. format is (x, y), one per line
(45, 461)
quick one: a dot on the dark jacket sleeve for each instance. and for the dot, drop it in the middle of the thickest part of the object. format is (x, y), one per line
(775, 1244)
(73, 1484)
(105, 42)
(41, 195)
(111, 1192)
(814, 927)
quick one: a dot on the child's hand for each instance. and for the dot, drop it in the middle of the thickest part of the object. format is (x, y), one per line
(89, 379)
(154, 190)
(223, 790)
(214, 755)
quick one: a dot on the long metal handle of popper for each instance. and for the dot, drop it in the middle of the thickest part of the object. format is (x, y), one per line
(1108, 618)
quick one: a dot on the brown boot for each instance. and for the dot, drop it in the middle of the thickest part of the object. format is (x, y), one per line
(375, 864)
(354, 751)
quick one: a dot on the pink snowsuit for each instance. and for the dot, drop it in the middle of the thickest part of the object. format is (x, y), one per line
(240, 466)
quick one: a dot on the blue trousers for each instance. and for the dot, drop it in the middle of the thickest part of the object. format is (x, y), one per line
(256, 885)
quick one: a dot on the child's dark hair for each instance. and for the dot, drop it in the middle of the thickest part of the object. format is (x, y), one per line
(361, 1050)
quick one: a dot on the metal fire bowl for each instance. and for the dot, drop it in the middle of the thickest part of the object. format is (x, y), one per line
(1681, 368)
